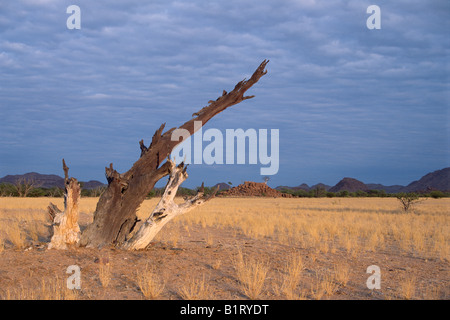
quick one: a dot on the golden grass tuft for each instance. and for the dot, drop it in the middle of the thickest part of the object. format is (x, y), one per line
(341, 274)
(408, 287)
(292, 272)
(48, 289)
(195, 289)
(150, 283)
(251, 274)
(104, 271)
(16, 235)
(216, 265)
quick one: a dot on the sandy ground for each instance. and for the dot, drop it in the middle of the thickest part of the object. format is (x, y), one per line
(194, 257)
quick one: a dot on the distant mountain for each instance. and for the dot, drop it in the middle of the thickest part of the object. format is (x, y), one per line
(92, 184)
(222, 186)
(46, 180)
(437, 180)
(303, 186)
(40, 180)
(350, 185)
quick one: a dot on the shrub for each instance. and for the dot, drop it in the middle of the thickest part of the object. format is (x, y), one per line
(343, 193)
(407, 200)
(437, 194)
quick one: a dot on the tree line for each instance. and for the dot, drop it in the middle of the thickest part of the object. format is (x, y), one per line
(321, 192)
(29, 188)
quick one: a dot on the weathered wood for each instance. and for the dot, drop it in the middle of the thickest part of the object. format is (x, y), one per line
(115, 214)
(166, 209)
(66, 230)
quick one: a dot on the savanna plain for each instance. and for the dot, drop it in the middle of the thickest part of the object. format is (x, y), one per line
(238, 249)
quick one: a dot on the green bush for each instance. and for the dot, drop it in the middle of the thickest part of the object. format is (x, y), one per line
(407, 200)
(302, 193)
(437, 194)
(361, 193)
(343, 193)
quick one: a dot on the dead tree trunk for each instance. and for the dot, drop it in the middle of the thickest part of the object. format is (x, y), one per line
(115, 215)
(166, 209)
(66, 230)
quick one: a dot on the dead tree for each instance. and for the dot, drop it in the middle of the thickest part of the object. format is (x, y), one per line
(24, 186)
(66, 230)
(115, 221)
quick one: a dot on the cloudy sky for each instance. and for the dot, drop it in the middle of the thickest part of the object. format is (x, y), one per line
(348, 101)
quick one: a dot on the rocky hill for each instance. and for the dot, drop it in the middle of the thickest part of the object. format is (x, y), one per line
(350, 185)
(222, 186)
(39, 180)
(253, 189)
(46, 180)
(437, 180)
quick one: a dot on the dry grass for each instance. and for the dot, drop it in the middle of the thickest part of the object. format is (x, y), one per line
(251, 274)
(104, 271)
(195, 289)
(341, 274)
(292, 272)
(174, 238)
(25, 220)
(356, 225)
(209, 239)
(16, 236)
(150, 283)
(216, 265)
(317, 291)
(50, 289)
(432, 292)
(348, 227)
(328, 284)
(408, 287)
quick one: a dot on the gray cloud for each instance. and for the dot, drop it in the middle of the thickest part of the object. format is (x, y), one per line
(344, 97)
